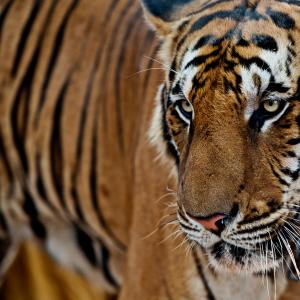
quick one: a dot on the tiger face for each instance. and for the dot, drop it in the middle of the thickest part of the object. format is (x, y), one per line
(228, 115)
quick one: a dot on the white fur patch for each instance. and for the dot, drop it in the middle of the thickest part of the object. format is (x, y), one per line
(249, 88)
(155, 135)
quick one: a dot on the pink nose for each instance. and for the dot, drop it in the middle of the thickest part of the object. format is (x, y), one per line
(211, 223)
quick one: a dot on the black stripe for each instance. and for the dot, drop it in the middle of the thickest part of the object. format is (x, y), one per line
(3, 156)
(80, 141)
(24, 37)
(5, 244)
(228, 86)
(208, 290)
(257, 228)
(108, 59)
(56, 158)
(276, 87)
(24, 92)
(294, 175)
(290, 153)
(281, 19)
(94, 184)
(3, 15)
(265, 42)
(188, 228)
(176, 90)
(247, 62)
(294, 141)
(236, 14)
(39, 183)
(30, 209)
(198, 60)
(3, 223)
(57, 152)
(93, 179)
(204, 40)
(109, 12)
(86, 245)
(105, 266)
(173, 70)
(298, 120)
(55, 52)
(121, 59)
(282, 181)
(76, 201)
(242, 42)
(172, 151)
(213, 64)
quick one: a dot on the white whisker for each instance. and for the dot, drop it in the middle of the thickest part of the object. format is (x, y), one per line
(161, 63)
(290, 252)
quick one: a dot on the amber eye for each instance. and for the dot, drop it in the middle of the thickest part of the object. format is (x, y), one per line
(269, 110)
(185, 108)
(185, 105)
(271, 106)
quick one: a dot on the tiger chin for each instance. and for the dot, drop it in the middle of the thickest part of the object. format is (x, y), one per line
(227, 116)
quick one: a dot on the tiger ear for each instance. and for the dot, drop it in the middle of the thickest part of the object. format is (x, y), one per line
(161, 14)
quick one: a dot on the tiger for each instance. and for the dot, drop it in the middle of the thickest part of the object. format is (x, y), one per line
(160, 162)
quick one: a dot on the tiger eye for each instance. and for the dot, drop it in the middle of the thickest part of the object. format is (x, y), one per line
(271, 105)
(186, 106)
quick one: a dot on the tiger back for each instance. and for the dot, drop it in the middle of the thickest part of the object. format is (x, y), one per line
(68, 133)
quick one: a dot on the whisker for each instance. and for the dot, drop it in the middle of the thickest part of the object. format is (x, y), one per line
(185, 240)
(174, 233)
(172, 222)
(171, 190)
(164, 196)
(261, 259)
(266, 271)
(159, 226)
(144, 70)
(161, 63)
(274, 269)
(290, 252)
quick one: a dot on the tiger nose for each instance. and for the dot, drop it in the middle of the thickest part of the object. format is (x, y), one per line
(215, 223)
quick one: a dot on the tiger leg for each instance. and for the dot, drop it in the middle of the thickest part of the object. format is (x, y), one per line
(68, 244)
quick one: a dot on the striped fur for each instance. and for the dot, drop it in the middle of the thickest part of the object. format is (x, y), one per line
(228, 61)
(58, 151)
(77, 171)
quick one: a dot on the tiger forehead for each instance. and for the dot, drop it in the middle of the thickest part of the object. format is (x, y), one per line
(250, 41)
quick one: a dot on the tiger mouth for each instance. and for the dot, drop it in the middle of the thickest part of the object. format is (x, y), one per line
(265, 251)
(264, 256)
(228, 257)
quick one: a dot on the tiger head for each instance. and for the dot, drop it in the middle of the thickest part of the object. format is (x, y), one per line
(228, 115)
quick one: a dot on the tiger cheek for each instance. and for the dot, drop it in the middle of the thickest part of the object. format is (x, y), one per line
(178, 129)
